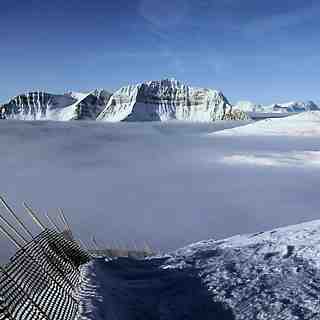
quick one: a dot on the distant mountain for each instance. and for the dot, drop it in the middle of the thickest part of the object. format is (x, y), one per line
(290, 107)
(40, 105)
(296, 106)
(168, 100)
(272, 275)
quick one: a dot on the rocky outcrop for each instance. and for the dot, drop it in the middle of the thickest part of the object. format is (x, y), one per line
(90, 105)
(168, 100)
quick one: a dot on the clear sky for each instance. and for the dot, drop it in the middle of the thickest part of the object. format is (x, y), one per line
(265, 51)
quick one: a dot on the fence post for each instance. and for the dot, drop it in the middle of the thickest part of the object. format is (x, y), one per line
(12, 213)
(11, 227)
(34, 217)
(54, 225)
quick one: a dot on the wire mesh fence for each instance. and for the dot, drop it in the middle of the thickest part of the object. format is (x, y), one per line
(41, 280)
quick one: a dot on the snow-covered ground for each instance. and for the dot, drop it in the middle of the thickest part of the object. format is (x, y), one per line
(168, 184)
(126, 289)
(267, 275)
(271, 275)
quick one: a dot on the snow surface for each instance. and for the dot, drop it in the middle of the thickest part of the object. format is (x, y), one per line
(168, 184)
(267, 275)
(126, 289)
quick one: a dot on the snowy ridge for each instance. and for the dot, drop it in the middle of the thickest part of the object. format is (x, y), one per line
(303, 124)
(267, 275)
(168, 100)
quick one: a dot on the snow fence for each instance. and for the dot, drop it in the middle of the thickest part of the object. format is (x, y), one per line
(42, 279)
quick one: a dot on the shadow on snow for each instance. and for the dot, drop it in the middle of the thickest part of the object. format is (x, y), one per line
(131, 289)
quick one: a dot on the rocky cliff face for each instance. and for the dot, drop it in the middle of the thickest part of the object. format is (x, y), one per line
(37, 106)
(45, 106)
(89, 106)
(168, 100)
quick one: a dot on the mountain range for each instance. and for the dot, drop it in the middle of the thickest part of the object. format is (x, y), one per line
(277, 108)
(161, 100)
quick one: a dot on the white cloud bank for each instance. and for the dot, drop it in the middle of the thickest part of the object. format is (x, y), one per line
(304, 158)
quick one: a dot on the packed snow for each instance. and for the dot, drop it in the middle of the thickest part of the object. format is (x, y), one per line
(126, 289)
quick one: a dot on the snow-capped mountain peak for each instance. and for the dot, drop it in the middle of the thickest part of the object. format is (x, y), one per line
(39, 105)
(168, 100)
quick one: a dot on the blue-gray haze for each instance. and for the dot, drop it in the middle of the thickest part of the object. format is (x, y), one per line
(166, 184)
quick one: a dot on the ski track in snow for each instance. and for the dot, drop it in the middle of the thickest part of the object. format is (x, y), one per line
(125, 289)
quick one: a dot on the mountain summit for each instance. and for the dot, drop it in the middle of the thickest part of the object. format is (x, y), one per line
(168, 100)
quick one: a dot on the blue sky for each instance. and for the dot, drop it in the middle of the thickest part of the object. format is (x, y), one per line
(265, 51)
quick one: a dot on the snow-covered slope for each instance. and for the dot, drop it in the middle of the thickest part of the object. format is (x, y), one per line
(45, 106)
(254, 109)
(267, 275)
(303, 124)
(167, 100)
